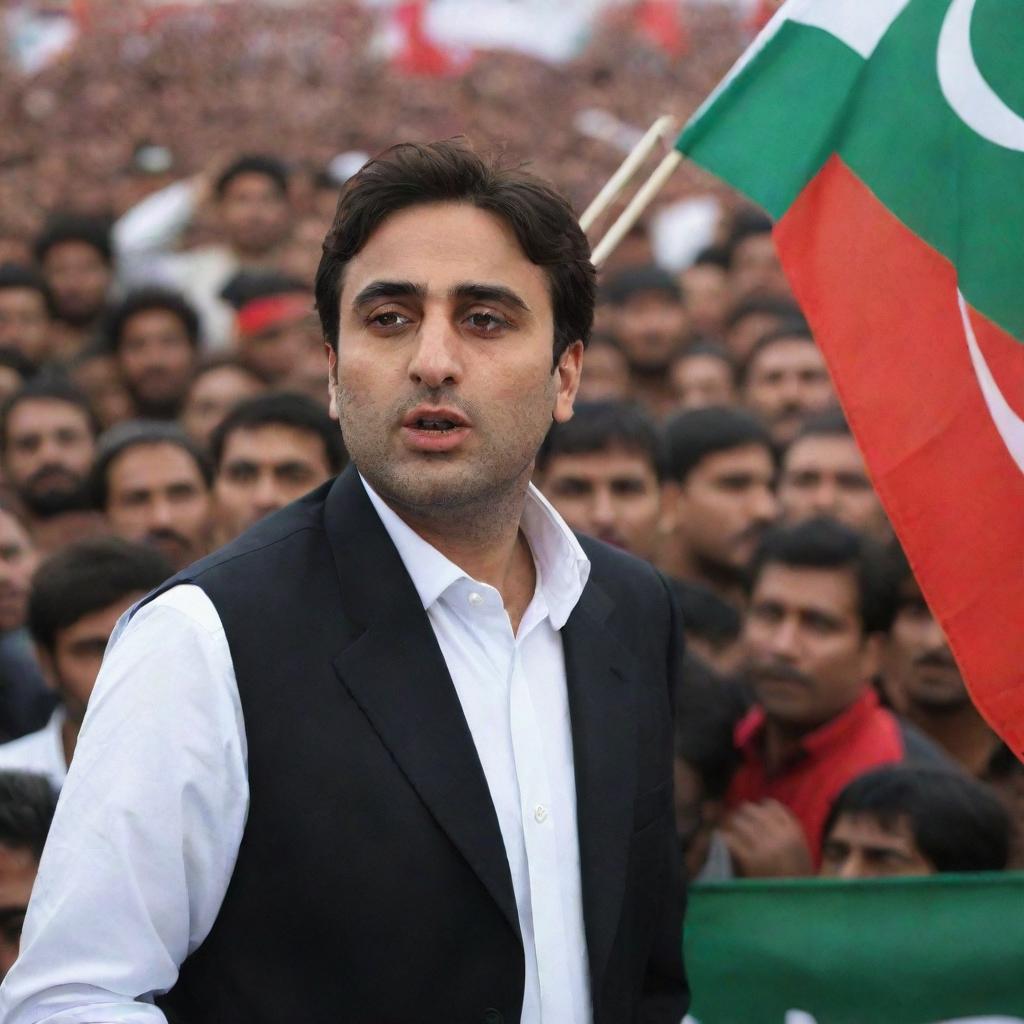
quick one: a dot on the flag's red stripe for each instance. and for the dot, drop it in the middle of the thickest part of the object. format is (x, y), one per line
(883, 307)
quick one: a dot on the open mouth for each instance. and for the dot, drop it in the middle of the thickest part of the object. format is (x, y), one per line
(439, 425)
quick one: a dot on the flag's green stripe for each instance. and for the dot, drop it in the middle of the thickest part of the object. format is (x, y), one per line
(807, 95)
(774, 127)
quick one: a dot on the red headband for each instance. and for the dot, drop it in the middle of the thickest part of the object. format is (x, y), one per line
(260, 314)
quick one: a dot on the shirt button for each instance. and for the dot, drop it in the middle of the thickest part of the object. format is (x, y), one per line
(475, 599)
(540, 814)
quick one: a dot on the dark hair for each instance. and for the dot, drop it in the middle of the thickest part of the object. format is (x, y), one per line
(411, 174)
(822, 543)
(789, 330)
(712, 256)
(14, 275)
(132, 434)
(600, 426)
(705, 614)
(769, 305)
(712, 351)
(958, 823)
(249, 285)
(51, 389)
(698, 433)
(146, 300)
(630, 281)
(281, 409)
(88, 576)
(227, 361)
(27, 803)
(828, 422)
(253, 163)
(16, 360)
(75, 227)
(747, 222)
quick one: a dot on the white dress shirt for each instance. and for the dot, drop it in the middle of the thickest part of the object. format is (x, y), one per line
(153, 810)
(41, 752)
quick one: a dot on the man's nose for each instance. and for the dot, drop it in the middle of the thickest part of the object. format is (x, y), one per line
(266, 497)
(784, 638)
(602, 509)
(435, 362)
(852, 866)
(824, 498)
(161, 514)
(763, 505)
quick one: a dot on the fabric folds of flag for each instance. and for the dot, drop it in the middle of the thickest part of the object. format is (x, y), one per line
(887, 139)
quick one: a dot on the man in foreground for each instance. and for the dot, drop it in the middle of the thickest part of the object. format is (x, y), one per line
(415, 741)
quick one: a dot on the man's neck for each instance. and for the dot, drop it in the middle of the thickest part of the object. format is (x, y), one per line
(654, 392)
(676, 559)
(69, 739)
(960, 731)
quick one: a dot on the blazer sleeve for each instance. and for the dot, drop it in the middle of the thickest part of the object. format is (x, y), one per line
(666, 994)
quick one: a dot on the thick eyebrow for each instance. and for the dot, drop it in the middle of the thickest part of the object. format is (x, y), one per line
(487, 293)
(388, 290)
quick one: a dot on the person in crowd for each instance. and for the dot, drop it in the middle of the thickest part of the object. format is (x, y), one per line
(707, 710)
(276, 327)
(822, 473)
(77, 596)
(752, 319)
(822, 599)
(712, 626)
(47, 445)
(721, 471)
(703, 374)
(754, 266)
(153, 485)
(705, 285)
(15, 372)
(267, 452)
(218, 385)
(905, 820)
(922, 675)
(784, 380)
(367, 658)
(74, 254)
(604, 472)
(25, 700)
(27, 803)
(252, 210)
(647, 317)
(95, 372)
(605, 371)
(154, 334)
(1005, 776)
(26, 313)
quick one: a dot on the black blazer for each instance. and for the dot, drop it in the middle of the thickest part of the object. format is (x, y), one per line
(371, 885)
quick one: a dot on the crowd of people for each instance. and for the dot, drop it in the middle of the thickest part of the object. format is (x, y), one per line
(163, 384)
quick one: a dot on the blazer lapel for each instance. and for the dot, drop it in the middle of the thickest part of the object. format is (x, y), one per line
(604, 752)
(396, 673)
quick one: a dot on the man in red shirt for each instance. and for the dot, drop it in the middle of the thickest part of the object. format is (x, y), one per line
(821, 601)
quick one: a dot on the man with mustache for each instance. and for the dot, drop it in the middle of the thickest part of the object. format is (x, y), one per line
(926, 684)
(47, 445)
(821, 602)
(604, 472)
(153, 485)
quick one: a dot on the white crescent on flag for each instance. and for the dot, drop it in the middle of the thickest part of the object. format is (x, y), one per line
(1008, 423)
(973, 100)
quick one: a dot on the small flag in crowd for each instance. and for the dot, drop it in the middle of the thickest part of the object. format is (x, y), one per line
(887, 138)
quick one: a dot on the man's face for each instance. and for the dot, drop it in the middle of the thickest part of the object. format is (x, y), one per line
(263, 469)
(862, 846)
(77, 653)
(650, 327)
(825, 476)
(755, 268)
(786, 381)
(156, 494)
(613, 495)
(254, 213)
(18, 561)
(49, 451)
(706, 288)
(79, 280)
(605, 375)
(18, 867)
(214, 394)
(918, 661)
(808, 658)
(745, 333)
(25, 323)
(724, 506)
(277, 349)
(100, 380)
(156, 359)
(445, 387)
(702, 380)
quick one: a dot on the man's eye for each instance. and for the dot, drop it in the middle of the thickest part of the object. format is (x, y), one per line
(389, 318)
(488, 323)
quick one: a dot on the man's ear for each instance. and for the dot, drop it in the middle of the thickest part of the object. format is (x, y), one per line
(569, 370)
(332, 381)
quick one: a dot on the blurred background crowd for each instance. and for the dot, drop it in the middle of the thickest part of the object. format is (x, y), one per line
(167, 175)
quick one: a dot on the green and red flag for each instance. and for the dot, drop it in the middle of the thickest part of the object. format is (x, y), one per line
(887, 139)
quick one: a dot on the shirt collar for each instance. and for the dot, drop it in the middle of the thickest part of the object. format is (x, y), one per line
(562, 567)
(819, 741)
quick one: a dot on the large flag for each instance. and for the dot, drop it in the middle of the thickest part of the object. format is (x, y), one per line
(887, 138)
(888, 951)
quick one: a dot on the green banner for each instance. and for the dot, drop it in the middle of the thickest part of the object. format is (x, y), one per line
(893, 951)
